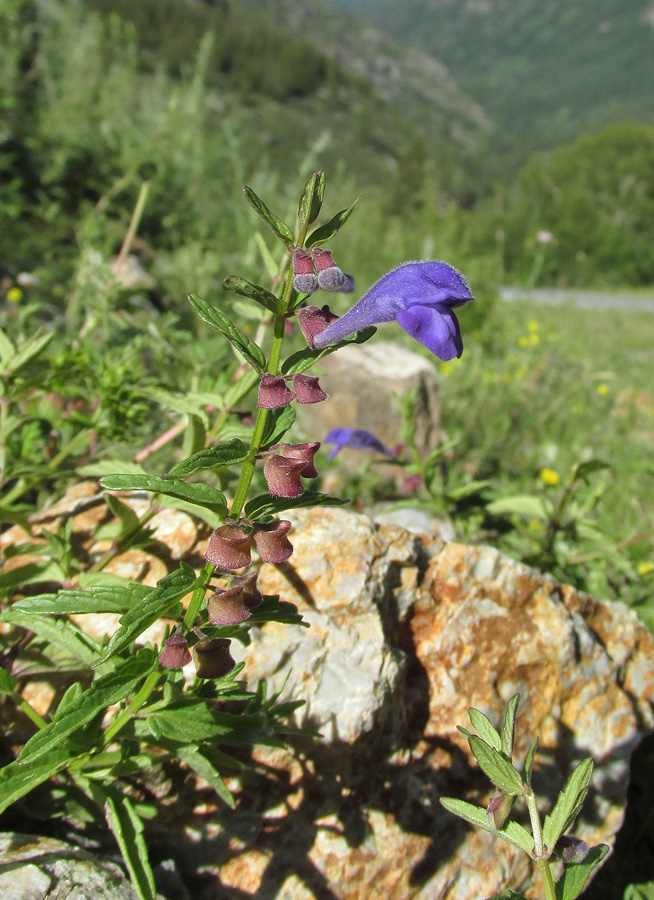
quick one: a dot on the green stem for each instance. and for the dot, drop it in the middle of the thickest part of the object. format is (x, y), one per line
(548, 880)
(141, 697)
(29, 711)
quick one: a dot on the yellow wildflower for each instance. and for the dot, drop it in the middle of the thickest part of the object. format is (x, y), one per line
(549, 476)
(645, 568)
(446, 368)
(14, 295)
(602, 389)
(523, 341)
(532, 326)
(534, 339)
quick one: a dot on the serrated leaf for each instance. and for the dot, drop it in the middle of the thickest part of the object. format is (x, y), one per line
(199, 494)
(568, 804)
(193, 722)
(224, 454)
(529, 761)
(279, 228)
(575, 877)
(277, 424)
(267, 505)
(495, 766)
(255, 292)
(128, 831)
(203, 767)
(58, 632)
(521, 505)
(329, 229)
(511, 832)
(98, 599)
(252, 353)
(508, 726)
(16, 780)
(311, 199)
(107, 690)
(485, 728)
(156, 603)
(26, 353)
(305, 359)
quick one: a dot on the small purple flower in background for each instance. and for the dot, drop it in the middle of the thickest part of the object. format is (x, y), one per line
(421, 297)
(356, 439)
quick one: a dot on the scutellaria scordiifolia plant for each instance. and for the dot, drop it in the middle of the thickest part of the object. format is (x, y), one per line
(136, 706)
(548, 840)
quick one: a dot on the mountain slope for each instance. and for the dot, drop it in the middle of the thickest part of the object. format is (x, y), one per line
(545, 69)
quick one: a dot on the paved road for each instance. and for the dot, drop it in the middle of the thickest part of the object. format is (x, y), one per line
(583, 299)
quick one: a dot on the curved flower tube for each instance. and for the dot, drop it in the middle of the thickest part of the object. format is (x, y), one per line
(421, 297)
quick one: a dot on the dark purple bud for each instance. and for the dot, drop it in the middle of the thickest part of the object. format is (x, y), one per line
(307, 389)
(271, 543)
(175, 653)
(572, 849)
(212, 659)
(313, 321)
(330, 277)
(303, 452)
(273, 392)
(229, 547)
(498, 809)
(305, 280)
(283, 476)
(248, 584)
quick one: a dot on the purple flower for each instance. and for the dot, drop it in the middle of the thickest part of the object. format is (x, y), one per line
(356, 439)
(421, 297)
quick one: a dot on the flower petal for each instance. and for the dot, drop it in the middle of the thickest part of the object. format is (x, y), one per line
(356, 439)
(436, 328)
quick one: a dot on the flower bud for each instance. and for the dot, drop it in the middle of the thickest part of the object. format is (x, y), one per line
(303, 452)
(283, 476)
(248, 584)
(572, 849)
(233, 605)
(229, 547)
(330, 277)
(212, 659)
(498, 809)
(271, 543)
(305, 280)
(175, 653)
(307, 389)
(313, 321)
(273, 392)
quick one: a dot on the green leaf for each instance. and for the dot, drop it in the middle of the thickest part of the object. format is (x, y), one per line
(568, 804)
(58, 632)
(279, 228)
(69, 700)
(31, 573)
(305, 359)
(186, 403)
(455, 495)
(277, 424)
(199, 494)
(17, 780)
(110, 467)
(311, 199)
(128, 831)
(252, 353)
(26, 353)
(508, 726)
(106, 598)
(7, 349)
(575, 877)
(508, 895)
(224, 454)
(129, 520)
(266, 505)
(7, 683)
(272, 609)
(529, 761)
(203, 767)
(107, 690)
(512, 832)
(196, 721)
(253, 292)
(155, 604)
(329, 229)
(495, 766)
(485, 728)
(235, 393)
(644, 891)
(272, 268)
(587, 468)
(521, 505)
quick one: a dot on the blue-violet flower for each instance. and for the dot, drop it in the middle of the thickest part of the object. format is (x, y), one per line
(356, 439)
(421, 297)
